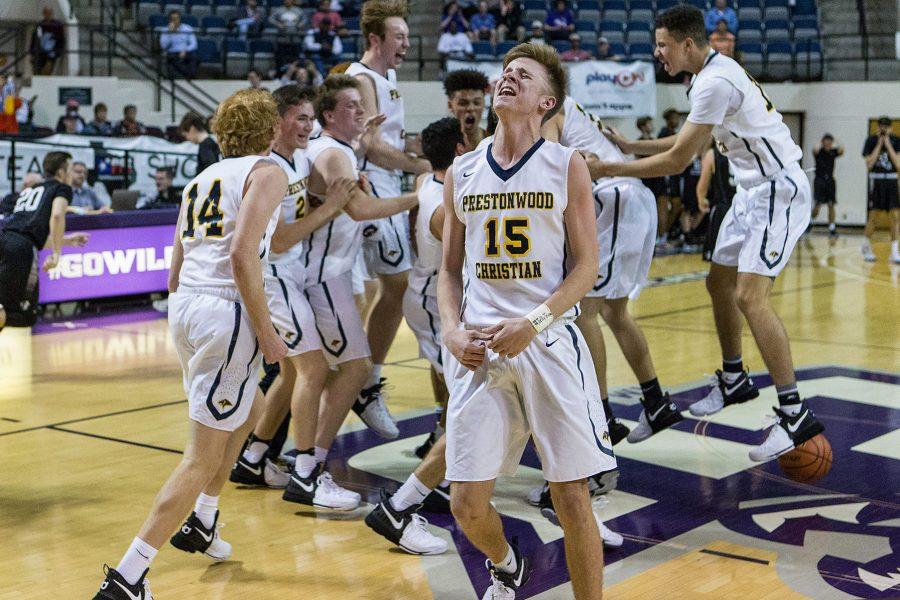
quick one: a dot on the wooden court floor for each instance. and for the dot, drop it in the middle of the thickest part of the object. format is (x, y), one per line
(92, 419)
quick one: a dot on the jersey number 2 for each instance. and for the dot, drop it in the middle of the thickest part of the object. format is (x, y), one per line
(516, 242)
(209, 214)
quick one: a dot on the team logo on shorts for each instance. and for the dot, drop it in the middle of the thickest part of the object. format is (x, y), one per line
(224, 403)
(335, 343)
(773, 254)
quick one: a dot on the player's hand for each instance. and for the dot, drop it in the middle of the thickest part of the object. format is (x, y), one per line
(511, 336)
(104, 210)
(363, 183)
(374, 122)
(618, 139)
(77, 240)
(467, 346)
(340, 192)
(50, 262)
(273, 347)
(703, 204)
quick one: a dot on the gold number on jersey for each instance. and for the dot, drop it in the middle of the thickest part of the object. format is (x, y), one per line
(769, 106)
(300, 207)
(516, 242)
(209, 214)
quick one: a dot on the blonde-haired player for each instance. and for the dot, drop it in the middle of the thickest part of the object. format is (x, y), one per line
(221, 328)
(519, 227)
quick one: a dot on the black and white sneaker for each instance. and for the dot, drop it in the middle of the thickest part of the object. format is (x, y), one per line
(662, 416)
(603, 483)
(319, 489)
(433, 437)
(787, 433)
(438, 501)
(609, 537)
(370, 407)
(405, 528)
(264, 473)
(722, 394)
(194, 537)
(115, 587)
(504, 585)
(618, 430)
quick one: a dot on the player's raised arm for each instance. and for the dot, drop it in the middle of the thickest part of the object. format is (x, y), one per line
(639, 147)
(688, 142)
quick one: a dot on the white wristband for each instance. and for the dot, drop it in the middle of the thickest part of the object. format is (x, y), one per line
(540, 318)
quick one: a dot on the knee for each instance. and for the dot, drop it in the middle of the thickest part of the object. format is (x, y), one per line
(469, 510)
(717, 286)
(748, 300)
(572, 503)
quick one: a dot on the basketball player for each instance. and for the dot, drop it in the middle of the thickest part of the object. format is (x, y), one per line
(769, 213)
(329, 255)
(304, 370)
(465, 89)
(386, 245)
(824, 185)
(882, 155)
(519, 228)
(38, 220)
(220, 325)
(715, 176)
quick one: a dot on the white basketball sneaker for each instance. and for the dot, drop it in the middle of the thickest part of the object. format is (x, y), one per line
(194, 537)
(721, 394)
(319, 489)
(370, 407)
(787, 433)
(406, 528)
(867, 253)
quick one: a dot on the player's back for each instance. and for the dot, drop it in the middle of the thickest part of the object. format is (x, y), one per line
(31, 213)
(209, 208)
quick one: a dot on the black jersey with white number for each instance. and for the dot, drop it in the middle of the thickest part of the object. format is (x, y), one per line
(31, 215)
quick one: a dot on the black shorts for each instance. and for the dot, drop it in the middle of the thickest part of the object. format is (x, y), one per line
(18, 278)
(657, 185)
(883, 194)
(673, 186)
(824, 190)
(716, 214)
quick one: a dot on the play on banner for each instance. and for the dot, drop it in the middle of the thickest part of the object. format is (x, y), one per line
(614, 89)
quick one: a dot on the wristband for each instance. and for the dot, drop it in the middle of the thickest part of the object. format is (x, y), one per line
(540, 318)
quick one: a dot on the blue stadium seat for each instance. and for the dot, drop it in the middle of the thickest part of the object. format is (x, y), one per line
(617, 48)
(237, 58)
(750, 31)
(640, 14)
(504, 47)
(534, 5)
(170, 5)
(752, 55)
(145, 8)
(665, 4)
(589, 5)
(582, 26)
(701, 4)
(352, 23)
(776, 13)
(808, 55)
(749, 13)
(214, 24)
(483, 50)
(778, 31)
(638, 35)
(191, 20)
(779, 60)
(805, 7)
(209, 53)
(199, 8)
(590, 48)
(351, 50)
(158, 22)
(561, 45)
(805, 28)
(638, 26)
(641, 5)
(615, 10)
(613, 31)
(533, 14)
(225, 8)
(771, 3)
(640, 51)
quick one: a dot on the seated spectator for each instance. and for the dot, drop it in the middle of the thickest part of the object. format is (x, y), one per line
(249, 22)
(100, 125)
(10, 104)
(302, 72)
(482, 25)
(129, 126)
(193, 128)
(288, 19)
(537, 33)
(467, 8)
(85, 200)
(47, 44)
(721, 39)
(560, 22)
(323, 46)
(180, 45)
(509, 21)
(453, 43)
(254, 78)
(603, 52)
(8, 204)
(335, 22)
(721, 11)
(453, 14)
(165, 195)
(71, 121)
(575, 53)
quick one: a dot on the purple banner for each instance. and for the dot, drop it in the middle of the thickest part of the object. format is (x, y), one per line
(115, 262)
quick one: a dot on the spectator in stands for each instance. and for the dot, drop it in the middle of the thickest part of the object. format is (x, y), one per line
(180, 45)
(453, 14)
(9, 201)
(70, 121)
(254, 78)
(323, 46)
(288, 18)
(100, 125)
(721, 39)
(193, 128)
(129, 125)
(10, 103)
(537, 33)
(721, 10)
(85, 200)
(560, 22)
(453, 43)
(575, 53)
(483, 25)
(165, 195)
(302, 72)
(249, 22)
(603, 50)
(335, 22)
(509, 21)
(47, 44)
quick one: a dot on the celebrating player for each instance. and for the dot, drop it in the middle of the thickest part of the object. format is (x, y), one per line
(465, 89)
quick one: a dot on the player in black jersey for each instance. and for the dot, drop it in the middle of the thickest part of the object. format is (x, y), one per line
(715, 189)
(38, 219)
(824, 186)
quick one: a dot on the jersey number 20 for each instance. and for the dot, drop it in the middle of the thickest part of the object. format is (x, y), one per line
(208, 215)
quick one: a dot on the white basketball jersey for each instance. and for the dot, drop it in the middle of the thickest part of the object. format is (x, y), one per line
(752, 135)
(209, 208)
(515, 235)
(390, 104)
(293, 207)
(429, 252)
(331, 249)
(583, 131)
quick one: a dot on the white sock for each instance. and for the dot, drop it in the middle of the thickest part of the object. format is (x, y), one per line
(305, 464)
(508, 564)
(206, 508)
(831, 227)
(374, 376)
(894, 247)
(321, 454)
(255, 451)
(136, 560)
(445, 483)
(867, 245)
(411, 492)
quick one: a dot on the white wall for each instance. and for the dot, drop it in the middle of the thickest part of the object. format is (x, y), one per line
(842, 109)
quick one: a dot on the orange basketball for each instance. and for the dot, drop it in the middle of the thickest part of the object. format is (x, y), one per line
(808, 462)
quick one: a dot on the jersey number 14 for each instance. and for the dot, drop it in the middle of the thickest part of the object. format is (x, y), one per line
(208, 215)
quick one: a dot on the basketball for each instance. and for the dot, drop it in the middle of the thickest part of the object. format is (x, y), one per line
(808, 462)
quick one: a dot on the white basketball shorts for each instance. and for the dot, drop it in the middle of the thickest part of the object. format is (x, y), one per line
(762, 227)
(219, 355)
(386, 241)
(626, 230)
(291, 314)
(548, 392)
(421, 313)
(338, 321)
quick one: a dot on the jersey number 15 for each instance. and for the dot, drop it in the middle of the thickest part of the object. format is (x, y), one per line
(208, 215)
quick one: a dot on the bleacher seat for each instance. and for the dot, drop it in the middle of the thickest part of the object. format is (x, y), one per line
(805, 7)
(352, 24)
(749, 13)
(533, 14)
(191, 20)
(615, 10)
(225, 8)
(589, 10)
(805, 28)
(776, 13)
(169, 5)
(809, 59)
(199, 8)
(644, 15)
(752, 57)
(214, 24)
(617, 48)
(778, 31)
(158, 22)
(701, 4)
(750, 31)
(351, 50)
(590, 48)
(638, 36)
(613, 31)
(779, 60)
(209, 53)
(483, 50)
(534, 5)
(640, 52)
(665, 4)
(504, 47)
(237, 58)
(144, 9)
(262, 54)
(561, 45)
(588, 37)
(772, 3)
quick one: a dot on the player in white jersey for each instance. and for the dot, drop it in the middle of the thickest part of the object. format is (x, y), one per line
(221, 328)
(328, 259)
(386, 242)
(519, 229)
(465, 89)
(769, 213)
